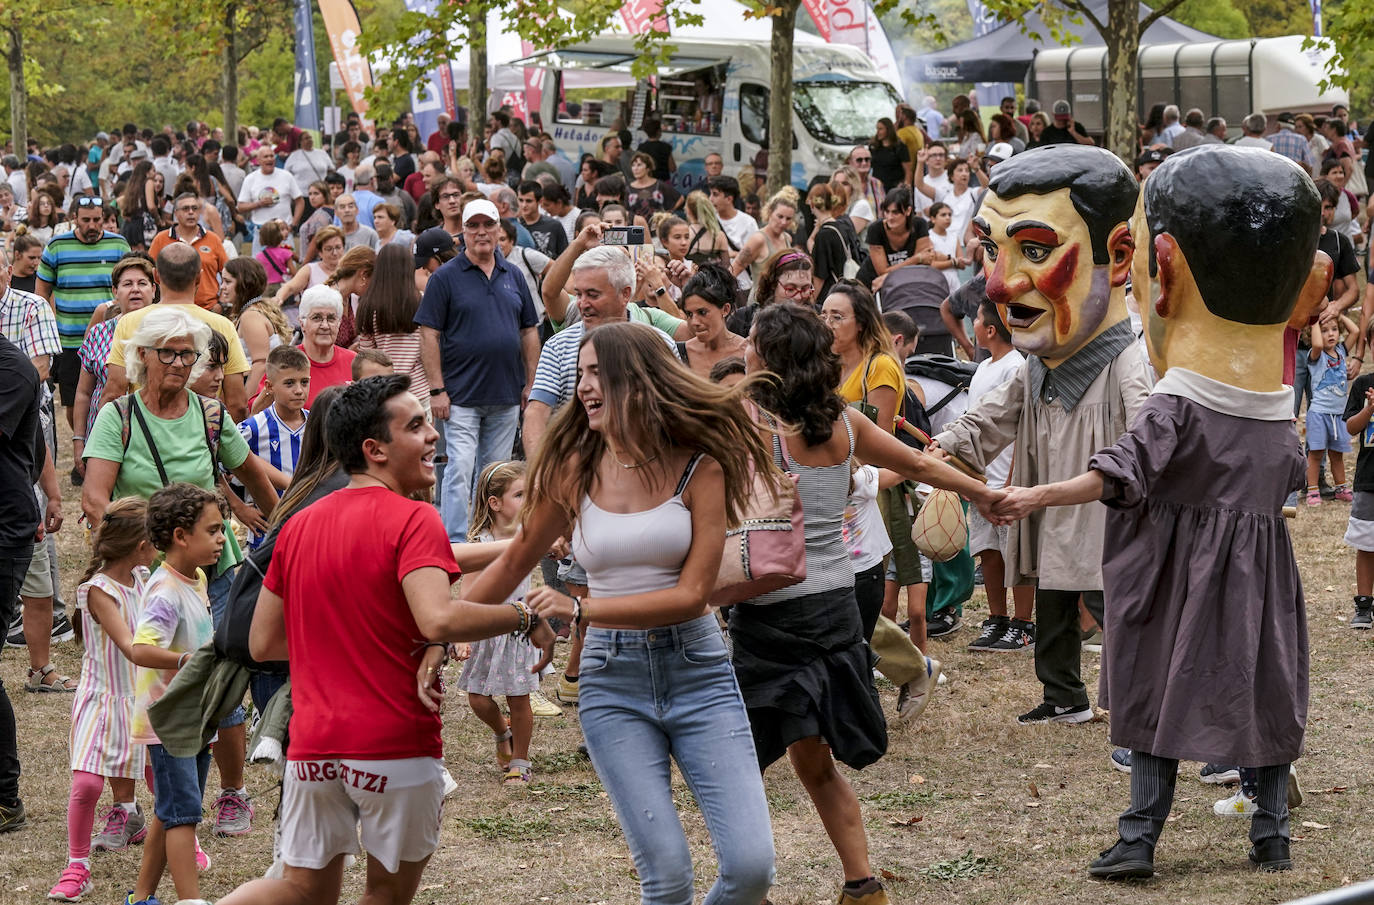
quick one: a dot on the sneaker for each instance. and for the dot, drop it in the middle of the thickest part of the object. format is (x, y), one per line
(233, 814)
(992, 629)
(1314, 498)
(1125, 861)
(1343, 495)
(871, 893)
(202, 859)
(1271, 855)
(130, 900)
(1364, 613)
(62, 630)
(1019, 636)
(542, 706)
(122, 829)
(1121, 759)
(1294, 790)
(565, 691)
(1219, 774)
(13, 817)
(1049, 713)
(942, 623)
(15, 638)
(1325, 489)
(74, 883)
(1238, 805)
(914, 696)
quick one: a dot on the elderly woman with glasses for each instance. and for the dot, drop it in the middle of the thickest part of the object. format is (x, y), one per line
(330, 365)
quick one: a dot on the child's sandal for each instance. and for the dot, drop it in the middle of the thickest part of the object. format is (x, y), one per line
(47, 679)
(503, 757)
(520, 775)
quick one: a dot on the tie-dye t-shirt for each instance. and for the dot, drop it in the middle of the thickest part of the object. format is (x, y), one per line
(176, 616)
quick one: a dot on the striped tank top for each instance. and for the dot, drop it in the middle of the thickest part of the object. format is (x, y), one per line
(824, 493)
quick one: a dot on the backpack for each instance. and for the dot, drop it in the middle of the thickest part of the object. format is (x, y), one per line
(212, 414)
(851, 266)
(231, 637)
(947, 370)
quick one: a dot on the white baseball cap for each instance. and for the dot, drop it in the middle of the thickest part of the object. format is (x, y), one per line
(481, 208)
(999, 151)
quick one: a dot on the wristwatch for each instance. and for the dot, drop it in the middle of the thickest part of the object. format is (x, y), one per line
(661, 291)
(439, 392)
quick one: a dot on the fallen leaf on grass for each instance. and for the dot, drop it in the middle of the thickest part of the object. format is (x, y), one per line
(558, 809)
(889, 875)
(1032, 804)
(1034, 790)
(431, 886)
(1042, 767)
(909, 822)
(917, 779)
(1314, 825)
(1334, 790)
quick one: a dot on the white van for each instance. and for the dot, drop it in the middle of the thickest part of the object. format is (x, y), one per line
(1230, 79)
(712, 95)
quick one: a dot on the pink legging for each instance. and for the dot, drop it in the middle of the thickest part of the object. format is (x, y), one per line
(86, 789)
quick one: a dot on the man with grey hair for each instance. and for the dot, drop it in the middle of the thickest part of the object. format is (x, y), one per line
(508, 206)
(1253, 126)
(1192, 134)
(1216, 131)
(269, 194)
(567, 170)
(14, 175)
(479, 346)
(364, 183)
(178, 271)
(1172, 127)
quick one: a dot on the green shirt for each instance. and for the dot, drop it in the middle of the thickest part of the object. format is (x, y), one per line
(80, 277)
(186, 457)
(641, 314)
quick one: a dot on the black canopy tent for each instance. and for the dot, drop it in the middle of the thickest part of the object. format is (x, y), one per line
(1005, 53)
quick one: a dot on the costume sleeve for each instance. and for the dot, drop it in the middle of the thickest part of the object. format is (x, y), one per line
(1135, 389)
(981, 433)
(1130, 468)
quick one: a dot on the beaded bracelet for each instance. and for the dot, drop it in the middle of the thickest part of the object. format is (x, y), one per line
(522, 629)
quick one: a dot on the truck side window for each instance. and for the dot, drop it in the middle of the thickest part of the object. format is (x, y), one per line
(753, 113)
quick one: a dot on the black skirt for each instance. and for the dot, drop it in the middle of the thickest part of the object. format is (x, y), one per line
(805, 671)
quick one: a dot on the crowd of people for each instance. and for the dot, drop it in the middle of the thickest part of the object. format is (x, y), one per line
(291, 372)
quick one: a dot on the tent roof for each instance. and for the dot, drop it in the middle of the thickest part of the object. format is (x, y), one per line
(1005, 53)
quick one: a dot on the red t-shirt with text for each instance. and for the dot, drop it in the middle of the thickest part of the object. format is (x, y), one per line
(352, 641)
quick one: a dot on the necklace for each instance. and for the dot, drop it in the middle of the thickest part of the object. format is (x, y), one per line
(631, 464)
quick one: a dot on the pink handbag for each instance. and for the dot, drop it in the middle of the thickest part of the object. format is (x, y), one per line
(767, 551)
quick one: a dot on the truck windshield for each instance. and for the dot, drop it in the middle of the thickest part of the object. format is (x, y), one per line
(843, 112)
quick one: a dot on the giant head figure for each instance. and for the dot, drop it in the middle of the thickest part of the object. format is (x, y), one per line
(1233, 245)
(1056, 235)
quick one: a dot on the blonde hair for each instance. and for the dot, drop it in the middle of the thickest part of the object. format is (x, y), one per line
(699, 206)
(495, 481)
(119, 533)
(359, 259)
(652, 404)
(788, 196)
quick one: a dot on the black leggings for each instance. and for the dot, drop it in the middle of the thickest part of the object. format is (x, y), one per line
(868, 591)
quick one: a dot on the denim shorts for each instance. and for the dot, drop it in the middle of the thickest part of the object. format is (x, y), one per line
(178, 786)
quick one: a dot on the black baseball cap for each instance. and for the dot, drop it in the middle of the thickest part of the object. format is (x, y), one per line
(429, 243)
(1151, 155)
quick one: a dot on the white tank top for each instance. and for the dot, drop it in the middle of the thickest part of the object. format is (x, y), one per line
(634, 552)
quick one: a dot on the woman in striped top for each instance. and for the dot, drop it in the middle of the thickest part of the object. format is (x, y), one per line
(135, 286)
(101, 743)
(386, 317)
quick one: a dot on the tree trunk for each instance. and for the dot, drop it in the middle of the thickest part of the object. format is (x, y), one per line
(229, 72)
(1123, 42)
(19, 92)
(477, 68)
(780, 97)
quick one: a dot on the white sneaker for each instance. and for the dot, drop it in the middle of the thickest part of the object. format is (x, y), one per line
(1238, 805)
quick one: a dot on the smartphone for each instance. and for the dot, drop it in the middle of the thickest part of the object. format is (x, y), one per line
(622, 235)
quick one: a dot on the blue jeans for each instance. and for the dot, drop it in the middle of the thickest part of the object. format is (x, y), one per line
(178, 786)
(1302, 381)
(475, 437)
(651, 697)
(218, 592)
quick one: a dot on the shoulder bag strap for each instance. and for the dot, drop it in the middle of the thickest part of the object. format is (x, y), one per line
(148, 436)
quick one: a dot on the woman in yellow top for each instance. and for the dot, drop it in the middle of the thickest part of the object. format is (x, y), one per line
(870, 375)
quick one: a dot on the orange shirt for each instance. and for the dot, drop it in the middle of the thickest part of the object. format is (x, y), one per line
(213, 257)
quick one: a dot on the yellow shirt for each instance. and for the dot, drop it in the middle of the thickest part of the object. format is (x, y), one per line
(124, 331)
(882, 371)
(913, 139)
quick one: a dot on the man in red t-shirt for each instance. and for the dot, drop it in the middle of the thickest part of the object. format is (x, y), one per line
(355, 597)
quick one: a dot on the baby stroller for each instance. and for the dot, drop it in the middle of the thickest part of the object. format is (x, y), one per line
(918, 290)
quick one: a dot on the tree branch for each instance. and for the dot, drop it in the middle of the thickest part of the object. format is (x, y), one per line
(1158, 13)
(1082, 10)
(250, 48)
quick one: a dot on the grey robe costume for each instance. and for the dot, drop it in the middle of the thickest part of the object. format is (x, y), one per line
(1206, 632)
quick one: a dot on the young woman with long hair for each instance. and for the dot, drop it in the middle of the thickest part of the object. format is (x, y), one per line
(644, 472)
(898, 239)
(799, 653)
(709, 241)
(350, 279)
(261, 324)
(139, 208)
(779, 219)
(386, 317)
(891, 159)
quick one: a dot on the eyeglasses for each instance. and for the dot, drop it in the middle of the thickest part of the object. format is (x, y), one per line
(797, 290)
(186, 357)
(832, 318)
(863, 159)
(323, 319)
(450, 196)
(188, 209)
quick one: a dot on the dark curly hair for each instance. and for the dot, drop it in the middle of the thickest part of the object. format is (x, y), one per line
(712, 283)
(794, 345)
(179, 506)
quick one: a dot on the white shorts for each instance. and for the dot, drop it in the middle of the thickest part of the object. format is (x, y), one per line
(1359, 533)
(984, 535)
(398, 804)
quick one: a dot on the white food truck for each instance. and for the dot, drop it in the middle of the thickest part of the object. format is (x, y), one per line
(712, 95)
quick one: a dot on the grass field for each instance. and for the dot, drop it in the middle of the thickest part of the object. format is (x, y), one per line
(967, 806)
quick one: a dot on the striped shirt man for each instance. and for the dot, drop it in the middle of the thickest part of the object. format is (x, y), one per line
(80, 276)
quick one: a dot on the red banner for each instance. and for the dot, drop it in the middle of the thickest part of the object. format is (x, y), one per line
(644, 15)
(840, 21)
(341, 22)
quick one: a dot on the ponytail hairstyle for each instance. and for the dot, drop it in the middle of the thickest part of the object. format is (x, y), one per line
(120, 532)
(495, 481)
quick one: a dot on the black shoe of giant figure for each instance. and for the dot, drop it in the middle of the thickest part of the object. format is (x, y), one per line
(1125, 861)
(1271, 855)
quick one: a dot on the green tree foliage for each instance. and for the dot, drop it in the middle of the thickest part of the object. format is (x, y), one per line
(1216, 17)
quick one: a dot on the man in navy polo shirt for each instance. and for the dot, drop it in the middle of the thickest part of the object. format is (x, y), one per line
(479, 348)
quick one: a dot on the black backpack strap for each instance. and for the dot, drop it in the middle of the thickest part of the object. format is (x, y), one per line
(148, 436)
(682, 352)
(949, 397)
